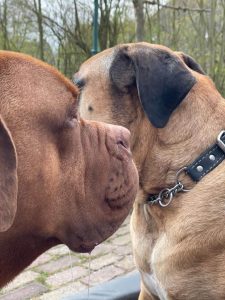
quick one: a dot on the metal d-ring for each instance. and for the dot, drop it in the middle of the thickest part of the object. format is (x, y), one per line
(165, 194)
(168, 193)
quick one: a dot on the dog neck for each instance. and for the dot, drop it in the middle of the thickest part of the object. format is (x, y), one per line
(22, 251)
(192, 128)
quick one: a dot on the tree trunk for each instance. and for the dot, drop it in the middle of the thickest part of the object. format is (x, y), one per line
(140, 21)
(212, 38)
(174, 33)
(5, 31)
(159, 22)
(38, 10)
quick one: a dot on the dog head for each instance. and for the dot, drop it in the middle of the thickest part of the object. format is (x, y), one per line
(174, 113)
(159, 77)
(76, 179)
(142, 87)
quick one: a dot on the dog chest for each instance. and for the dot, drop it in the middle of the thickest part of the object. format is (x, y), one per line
(153, 285)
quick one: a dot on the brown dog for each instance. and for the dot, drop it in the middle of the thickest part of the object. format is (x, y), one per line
(74, 181)
(174, 113)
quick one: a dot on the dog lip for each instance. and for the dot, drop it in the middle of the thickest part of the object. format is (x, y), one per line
(87, 248)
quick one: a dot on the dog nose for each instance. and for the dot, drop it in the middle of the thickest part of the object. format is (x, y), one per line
(121, 136)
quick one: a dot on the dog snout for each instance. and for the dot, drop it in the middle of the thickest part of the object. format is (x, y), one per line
(121, 136)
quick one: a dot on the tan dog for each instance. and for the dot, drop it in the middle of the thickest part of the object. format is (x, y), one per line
(174, 113)
(72, 181)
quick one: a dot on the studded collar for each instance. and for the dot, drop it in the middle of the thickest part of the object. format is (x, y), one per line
(206, 162)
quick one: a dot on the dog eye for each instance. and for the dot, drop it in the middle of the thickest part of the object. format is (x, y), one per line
(80, 82)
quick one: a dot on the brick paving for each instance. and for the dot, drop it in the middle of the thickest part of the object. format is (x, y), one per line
(59, 272)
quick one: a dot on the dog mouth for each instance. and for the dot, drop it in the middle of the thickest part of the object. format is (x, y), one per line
(84, 248)
(81, 246)
(87, 246)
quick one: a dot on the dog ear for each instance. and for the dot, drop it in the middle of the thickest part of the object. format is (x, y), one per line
(8, 178)
(191, 63)
(162, 80)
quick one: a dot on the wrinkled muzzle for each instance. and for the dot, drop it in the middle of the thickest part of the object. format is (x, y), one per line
(111, 183)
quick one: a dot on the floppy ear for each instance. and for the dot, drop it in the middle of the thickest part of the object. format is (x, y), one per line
(162, 80)
(191, 63)
(8, 178)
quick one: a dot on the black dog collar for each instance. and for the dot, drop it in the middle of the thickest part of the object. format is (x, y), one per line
(208, 160)
(205, 163)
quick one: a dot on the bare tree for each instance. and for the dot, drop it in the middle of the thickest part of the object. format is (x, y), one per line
(220, 76)
(60, 32)
(38, 12)
(4, 24)
(212, 38)
(140, 20)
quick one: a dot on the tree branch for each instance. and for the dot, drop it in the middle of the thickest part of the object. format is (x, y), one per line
(177, 7)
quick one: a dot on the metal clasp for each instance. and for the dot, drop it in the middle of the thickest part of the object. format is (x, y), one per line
(219, 141)
(166, 195)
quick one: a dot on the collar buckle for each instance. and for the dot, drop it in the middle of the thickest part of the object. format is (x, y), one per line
(219, 140)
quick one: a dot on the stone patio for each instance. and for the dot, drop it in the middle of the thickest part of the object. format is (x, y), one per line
(60, 272)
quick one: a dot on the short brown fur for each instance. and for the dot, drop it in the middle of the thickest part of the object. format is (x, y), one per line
(64, 194)
(183, 245)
